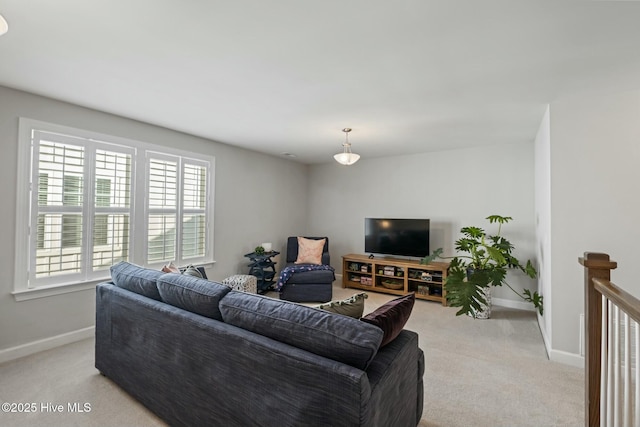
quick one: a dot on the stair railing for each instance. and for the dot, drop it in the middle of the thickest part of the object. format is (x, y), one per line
(612, 343)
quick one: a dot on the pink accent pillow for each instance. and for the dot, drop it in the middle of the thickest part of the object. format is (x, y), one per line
(391, 317)
(310, 251)
(170, 268)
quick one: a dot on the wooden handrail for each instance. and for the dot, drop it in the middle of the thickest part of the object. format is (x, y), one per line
(596, 266)
(619, 297)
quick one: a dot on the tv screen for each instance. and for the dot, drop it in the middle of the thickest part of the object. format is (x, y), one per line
(402, 237)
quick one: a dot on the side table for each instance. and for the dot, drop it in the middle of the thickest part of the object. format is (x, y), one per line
(263, 267)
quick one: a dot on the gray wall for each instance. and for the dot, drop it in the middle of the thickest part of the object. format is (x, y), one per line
(253, 198)
(585, 156)
(453, 188)
(595, 153)
(543, 225)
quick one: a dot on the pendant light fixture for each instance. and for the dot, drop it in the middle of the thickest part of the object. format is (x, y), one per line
(4, 27)
(346, 158)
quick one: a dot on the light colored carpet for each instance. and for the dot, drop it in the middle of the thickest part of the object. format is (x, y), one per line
(478, 373)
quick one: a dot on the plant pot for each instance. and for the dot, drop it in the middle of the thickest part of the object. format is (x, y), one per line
(485, 312)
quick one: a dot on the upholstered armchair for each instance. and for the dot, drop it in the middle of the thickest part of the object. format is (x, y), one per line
(314, 282)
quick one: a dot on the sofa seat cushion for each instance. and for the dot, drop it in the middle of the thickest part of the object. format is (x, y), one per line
(193, 294)
(136, 279)
(336, 337)
(312, 276)
(307, 292)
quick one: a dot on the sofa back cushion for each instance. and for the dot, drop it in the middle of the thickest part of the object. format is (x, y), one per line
(136, 279)
(336, 337)
(193, 294)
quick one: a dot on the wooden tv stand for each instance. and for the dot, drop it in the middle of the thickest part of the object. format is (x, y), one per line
(395, 276)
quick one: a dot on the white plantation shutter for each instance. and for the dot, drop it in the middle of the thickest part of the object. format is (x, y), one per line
(112, 208)
(177, 209)
(57, 216)
(194, 203)
(72, 223)
(162, 195)
(67, 210)
(83, 205)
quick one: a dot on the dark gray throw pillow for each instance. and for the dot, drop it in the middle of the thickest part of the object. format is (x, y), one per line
(392, 316)
(193, 294)
(339, 338)
(136, 279)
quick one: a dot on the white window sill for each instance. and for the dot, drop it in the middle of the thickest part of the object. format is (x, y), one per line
(48, 291)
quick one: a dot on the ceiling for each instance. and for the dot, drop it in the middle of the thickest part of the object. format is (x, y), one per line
(287, 75)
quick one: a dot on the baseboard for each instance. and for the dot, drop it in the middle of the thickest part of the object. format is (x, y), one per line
(567, 358)
(45, 344)
(559, 356)
(520, 305)
(545, 338)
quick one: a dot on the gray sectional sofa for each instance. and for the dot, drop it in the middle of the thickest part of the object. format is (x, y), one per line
(197, 353)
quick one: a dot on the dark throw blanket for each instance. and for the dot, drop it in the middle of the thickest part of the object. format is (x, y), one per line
(289, 271)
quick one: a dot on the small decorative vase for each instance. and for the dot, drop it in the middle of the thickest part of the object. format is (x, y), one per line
(485, 311)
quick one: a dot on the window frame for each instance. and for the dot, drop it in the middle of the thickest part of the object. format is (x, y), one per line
(27, 228)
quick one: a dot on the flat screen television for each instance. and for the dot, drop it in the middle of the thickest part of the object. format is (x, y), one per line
(396, 236)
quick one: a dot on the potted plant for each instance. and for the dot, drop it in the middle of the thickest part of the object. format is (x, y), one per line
(482, 264)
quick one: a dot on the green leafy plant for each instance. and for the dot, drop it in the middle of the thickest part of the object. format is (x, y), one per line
(484, 262)
(259, 250)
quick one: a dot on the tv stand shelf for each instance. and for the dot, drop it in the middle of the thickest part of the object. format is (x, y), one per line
(395, 276)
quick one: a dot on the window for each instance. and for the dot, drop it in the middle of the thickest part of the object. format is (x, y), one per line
(96, 197)
(177, 207)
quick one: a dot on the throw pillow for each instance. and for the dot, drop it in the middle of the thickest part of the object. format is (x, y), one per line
(352, 306)
(189, 270)
(170, 268)
(391, 317)
(310, 251)
(192, 271)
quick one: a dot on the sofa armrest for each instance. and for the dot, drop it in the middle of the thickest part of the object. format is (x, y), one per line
(395, 377)
(326, 258)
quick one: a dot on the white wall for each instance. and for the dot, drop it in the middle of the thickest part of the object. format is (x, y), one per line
(453, 188)
(595, 176)
(542, 149)
(253, 204)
